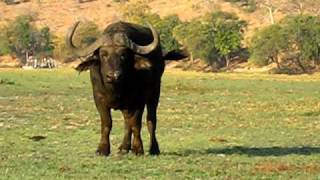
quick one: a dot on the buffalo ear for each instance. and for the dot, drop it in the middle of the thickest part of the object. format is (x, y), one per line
(85, 65)
(141, 63)
(177, 54)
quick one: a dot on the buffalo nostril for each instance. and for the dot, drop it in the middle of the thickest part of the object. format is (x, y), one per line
(116, 74)
(109, 75)
(113, 76)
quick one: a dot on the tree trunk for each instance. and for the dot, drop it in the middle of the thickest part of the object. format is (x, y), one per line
(227, 61)
(271, 15)
(26, 59)
(269, 6)
(191, 58)
(300, 8)
(300, 65)
(278, 60)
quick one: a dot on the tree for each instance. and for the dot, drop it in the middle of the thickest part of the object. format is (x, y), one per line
(166, 26)
(45, 41)
(21, 36)
(247, 5)
(212, 38)
(304, 38)
(4, 42)
(86, 33)
(25, 39)
(268, 44)
(228, 33)
(198, 37)
(296, 40)
(140, 13)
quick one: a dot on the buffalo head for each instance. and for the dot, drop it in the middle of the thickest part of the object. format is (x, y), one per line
(115, 52)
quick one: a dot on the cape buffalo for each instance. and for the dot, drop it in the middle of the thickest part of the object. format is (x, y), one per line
(126, 64)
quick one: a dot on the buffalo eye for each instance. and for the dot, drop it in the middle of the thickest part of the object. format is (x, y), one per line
(122, 57)
(104, 55)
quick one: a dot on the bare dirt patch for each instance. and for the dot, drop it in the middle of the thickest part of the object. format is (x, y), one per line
(270, 167)
(9, 62)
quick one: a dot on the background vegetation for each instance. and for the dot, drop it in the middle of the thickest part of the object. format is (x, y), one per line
(220, 38)
(292, 43)
(22, 38)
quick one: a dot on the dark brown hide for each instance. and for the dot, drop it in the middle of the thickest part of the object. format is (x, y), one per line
(137, 86)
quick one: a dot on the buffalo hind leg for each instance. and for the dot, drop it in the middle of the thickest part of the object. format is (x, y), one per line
(134, 118)
(152, 123)
(126, 143)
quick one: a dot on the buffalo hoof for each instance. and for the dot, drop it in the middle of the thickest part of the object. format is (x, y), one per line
(154, 151)
(154, 148)
(103, 151)
(124, 149)
(137, 150)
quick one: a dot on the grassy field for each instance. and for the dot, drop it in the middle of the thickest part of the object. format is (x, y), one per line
(211, 126)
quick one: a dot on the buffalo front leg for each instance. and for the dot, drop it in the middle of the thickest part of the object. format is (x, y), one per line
(152, 125)
(106, 126)
(152, 105)
(133, 119)
(126, 142)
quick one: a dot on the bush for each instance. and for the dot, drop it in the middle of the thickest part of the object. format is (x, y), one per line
(228, 33)
(4, 42)
(212, 38)
(137, 12)
(86, 34)
(165, 27)
(140, 13)
(198, 37)
(295, 41)
(268, 44)
(22, 38)
(247, 5)
(304, 39)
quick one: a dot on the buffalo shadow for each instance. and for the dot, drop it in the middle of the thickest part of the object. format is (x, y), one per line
(250, 151)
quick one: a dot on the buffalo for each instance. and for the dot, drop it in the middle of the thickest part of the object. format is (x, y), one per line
(126, 64)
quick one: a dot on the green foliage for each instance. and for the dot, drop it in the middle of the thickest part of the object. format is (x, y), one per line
(198, 37)
(86, 34)
(21, 35)
(25, 38)
(4, 42)
(247, 5)
(212, 38)
(228, 32)
(165, 27)
(267, 45)
(296, 41)
(304, 37)
(135, 12)
(140, 13)
(46, 41)
(61, 51)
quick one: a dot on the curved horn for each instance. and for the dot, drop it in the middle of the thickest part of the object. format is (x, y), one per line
(147, 48)
(82, 52)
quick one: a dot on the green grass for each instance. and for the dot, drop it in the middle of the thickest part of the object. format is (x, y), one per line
(211, 126)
